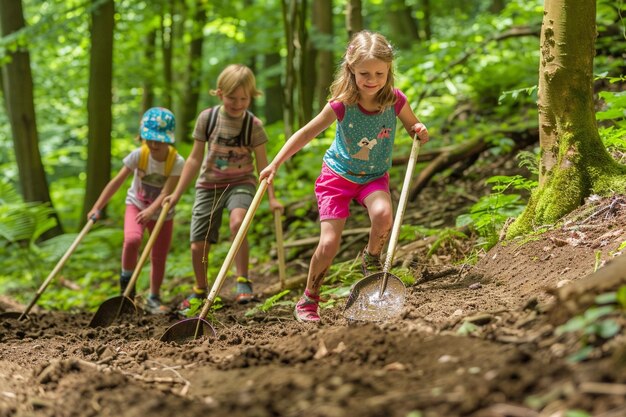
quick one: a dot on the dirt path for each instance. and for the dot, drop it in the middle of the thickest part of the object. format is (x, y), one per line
(421, 364)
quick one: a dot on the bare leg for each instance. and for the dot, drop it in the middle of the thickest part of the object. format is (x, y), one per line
(327, 248)
(381, 217)
(199, 254)
(243, 254)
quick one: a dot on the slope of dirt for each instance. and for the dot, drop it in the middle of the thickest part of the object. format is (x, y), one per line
(512, 363)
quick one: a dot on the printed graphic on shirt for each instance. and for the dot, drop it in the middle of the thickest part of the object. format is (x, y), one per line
(366, 146)
(150, 188)
(384, 133)
(234, 141)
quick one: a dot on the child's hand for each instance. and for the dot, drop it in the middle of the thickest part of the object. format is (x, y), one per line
(172, 199)
(94, 214)
(421, 132)
(268, 173)
(144, 216)
(276, 205)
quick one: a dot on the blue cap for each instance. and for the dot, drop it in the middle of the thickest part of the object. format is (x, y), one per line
(158, 124)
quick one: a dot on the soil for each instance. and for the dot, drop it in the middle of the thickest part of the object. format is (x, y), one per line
(471, 341)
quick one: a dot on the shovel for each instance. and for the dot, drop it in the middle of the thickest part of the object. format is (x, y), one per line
(280, 247)
(193, 328)
(53, 273)
(380, 296)
(110, 310)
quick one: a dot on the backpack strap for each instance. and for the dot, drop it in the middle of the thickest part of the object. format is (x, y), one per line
(210, 126)
(171, 159)
(145, 154)
(246, 127)
(143, 157)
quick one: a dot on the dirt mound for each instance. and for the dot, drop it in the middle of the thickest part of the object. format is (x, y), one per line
(471, 342)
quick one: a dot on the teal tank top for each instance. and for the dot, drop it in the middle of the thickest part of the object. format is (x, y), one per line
(361, 151)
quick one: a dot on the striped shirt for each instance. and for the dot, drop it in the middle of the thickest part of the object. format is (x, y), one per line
(227, 162)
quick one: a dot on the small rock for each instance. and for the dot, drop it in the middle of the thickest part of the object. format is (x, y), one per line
(562, 283)
(447, 359)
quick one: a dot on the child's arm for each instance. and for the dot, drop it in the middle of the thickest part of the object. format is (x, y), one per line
(109, 190)
(190, 170)
(260, 156)
(412, 124)
(145, 215)
(297, 141)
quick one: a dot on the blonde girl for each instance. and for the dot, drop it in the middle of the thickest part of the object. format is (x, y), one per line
(365, 105)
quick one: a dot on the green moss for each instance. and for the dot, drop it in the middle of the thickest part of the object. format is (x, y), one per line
(583, 167)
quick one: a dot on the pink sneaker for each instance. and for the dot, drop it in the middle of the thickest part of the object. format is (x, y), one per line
(306, 308)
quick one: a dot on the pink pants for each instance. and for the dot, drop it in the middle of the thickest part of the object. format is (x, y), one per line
(133, 234)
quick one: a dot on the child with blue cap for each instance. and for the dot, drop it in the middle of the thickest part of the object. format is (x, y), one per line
(156, 169)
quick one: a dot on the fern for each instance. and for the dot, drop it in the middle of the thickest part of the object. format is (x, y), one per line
(268, 304)
(22, 222)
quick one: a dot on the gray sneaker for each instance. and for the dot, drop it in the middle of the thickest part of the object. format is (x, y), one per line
(155, 306)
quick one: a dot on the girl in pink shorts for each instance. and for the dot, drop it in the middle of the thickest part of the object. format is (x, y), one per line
(365, 105)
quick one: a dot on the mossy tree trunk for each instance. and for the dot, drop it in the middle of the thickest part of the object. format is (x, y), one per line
(574, 162)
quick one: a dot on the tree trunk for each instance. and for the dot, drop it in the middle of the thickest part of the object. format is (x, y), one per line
(497, 6)
(427, 17)
(306, 69)
(19, 100)
(403, 26)
(99, 101)
(574, 162)
(167, 45)
(274, 91)
(187, 112)
(289, 8)
(147, 99)
(354, 18)
(325, 62)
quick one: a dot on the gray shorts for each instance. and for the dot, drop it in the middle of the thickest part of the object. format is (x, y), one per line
(209, 204)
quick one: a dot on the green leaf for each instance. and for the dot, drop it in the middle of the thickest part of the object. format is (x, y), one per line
(577, 413)
(467, 328)
(606, 298)
(608, 328)
(594, 313)
(580, 355)
(574, 324)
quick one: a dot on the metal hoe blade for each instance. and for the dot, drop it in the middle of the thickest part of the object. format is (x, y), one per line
(112, 309)
(13, 315)
(368, 304)
(189, 329)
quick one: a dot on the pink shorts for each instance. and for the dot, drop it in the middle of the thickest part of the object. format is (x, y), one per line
(334, 193)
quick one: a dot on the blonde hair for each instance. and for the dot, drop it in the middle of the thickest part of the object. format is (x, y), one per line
(235, 76)
(363, 45)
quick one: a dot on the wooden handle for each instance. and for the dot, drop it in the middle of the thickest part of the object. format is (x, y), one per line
(234, 248)
(397, 222)
(280, 247)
